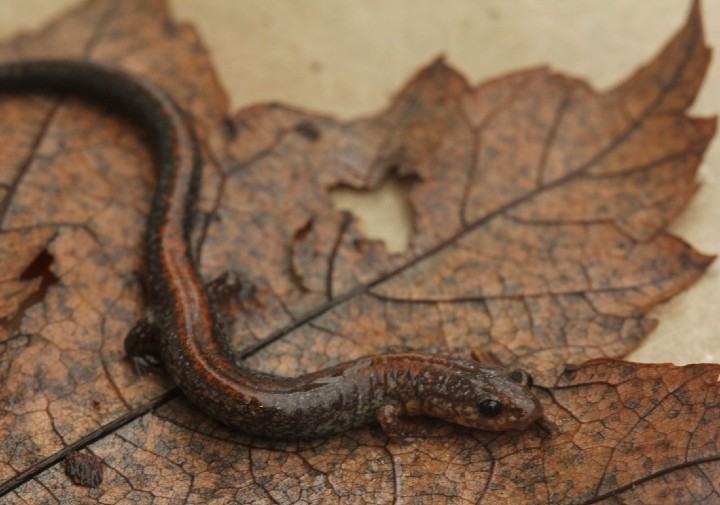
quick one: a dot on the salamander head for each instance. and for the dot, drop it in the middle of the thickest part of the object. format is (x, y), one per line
(479, 396)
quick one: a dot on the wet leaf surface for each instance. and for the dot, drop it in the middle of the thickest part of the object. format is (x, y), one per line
(539, 215)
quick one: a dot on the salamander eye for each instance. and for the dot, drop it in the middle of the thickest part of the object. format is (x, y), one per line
(522, 377)
(490, 408)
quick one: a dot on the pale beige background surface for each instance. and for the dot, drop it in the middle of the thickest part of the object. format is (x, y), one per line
(347, 58)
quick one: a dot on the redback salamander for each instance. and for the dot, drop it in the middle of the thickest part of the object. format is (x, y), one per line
(181, 330)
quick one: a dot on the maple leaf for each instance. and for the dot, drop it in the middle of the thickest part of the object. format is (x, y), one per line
(540, 209)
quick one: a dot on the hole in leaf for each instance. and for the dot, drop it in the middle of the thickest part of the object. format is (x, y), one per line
(384, 212)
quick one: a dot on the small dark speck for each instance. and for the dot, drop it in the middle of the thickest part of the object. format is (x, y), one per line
(308, 130)
(170, 28)
(316, 67)
(231, 128)
(494, 14)
(84, 469)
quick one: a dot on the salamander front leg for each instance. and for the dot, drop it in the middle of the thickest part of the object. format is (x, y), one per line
(396, 425)
(142, 344)
(486, 357)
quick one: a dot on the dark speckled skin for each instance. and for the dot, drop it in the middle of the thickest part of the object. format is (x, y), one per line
(181, 329)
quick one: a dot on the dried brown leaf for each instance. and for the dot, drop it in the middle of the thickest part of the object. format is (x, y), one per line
(540, 210)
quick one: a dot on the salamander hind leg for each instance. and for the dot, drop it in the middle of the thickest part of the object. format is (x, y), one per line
(223, 287)
(142, 344)
(229, 294)
(229, 286)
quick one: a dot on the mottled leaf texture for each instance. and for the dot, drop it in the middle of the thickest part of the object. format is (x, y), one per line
(540, 208)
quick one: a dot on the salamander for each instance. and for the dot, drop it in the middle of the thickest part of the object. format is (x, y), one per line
(181, 329)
